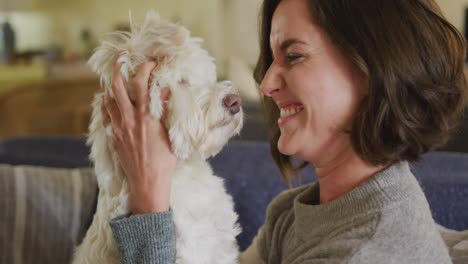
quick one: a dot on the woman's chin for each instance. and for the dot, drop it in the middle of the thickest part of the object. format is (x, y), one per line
(285, 146)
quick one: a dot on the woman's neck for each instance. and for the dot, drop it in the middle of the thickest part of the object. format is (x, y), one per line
(343, 174)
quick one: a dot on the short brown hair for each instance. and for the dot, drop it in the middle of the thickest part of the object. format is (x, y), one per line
(414, 60)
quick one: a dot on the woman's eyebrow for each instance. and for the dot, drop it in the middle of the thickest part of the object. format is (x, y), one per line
(287, 43)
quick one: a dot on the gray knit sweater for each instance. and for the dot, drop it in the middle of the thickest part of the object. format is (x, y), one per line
(384, 220)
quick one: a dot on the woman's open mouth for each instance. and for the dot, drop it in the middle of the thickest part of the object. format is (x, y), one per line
(289, 113)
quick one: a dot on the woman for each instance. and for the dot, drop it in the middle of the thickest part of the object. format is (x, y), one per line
(358, 89)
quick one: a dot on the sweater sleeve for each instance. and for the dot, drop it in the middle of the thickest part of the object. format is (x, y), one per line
(148, 239)
(252, 255)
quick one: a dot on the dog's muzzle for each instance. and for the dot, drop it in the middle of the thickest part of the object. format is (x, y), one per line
(233, 103)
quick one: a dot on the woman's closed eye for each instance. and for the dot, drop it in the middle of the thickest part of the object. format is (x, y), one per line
(293, 57)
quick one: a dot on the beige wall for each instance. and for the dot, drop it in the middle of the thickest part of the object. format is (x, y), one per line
(33, 30)
(454, 10)
(69, 17)
(229, 27)
(60, 21)
(241, 27)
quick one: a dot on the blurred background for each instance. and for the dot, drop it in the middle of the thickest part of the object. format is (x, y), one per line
(46, 87)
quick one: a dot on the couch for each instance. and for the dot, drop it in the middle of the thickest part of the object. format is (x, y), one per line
(48, 192)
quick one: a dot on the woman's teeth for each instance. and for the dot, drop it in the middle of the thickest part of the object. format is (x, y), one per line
(291, 111)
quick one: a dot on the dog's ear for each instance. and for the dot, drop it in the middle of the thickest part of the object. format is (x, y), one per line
(180, 140)
(183, 121)
(178, 135)
(185, 134)
(162, 77)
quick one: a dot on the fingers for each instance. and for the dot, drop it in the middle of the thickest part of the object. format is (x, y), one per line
(120, 92)
(105, 114)
(113, 111)
(165, 94)
(141, 85)
(122, 108)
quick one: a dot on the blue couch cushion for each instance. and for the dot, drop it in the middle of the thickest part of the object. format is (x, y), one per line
(253, 179)
(443, 177)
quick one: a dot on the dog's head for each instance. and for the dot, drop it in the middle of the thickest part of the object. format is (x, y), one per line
(202, 114)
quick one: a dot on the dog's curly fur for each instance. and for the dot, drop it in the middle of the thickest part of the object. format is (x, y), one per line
(199, 125)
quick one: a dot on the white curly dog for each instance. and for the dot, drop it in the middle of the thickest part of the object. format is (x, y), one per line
(202, 115)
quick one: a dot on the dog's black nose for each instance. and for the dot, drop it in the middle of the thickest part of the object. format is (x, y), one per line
(233, 103)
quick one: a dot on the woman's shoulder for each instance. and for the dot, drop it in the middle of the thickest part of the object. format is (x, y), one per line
(279, 216)
(284, 201)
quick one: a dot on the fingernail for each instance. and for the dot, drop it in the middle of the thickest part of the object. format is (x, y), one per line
(120, 60)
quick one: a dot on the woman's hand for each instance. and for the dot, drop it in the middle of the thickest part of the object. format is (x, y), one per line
(141, 141)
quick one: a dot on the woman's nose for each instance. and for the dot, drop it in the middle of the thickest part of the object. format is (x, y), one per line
(272, 81)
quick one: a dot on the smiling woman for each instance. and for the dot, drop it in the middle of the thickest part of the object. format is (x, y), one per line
(411, 99)
(315, 87)
(357, 90)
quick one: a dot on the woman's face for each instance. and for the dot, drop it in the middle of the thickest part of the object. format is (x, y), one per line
(317, 89)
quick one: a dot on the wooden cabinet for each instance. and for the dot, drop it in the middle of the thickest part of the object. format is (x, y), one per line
(48, 108)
